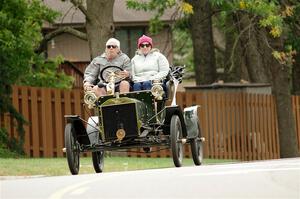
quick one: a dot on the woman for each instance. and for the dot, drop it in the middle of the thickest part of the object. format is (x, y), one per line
(147, 65)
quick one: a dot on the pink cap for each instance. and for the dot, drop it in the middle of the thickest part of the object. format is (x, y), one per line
(143, 39)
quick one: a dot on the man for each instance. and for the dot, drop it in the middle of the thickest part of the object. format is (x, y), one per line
(112, 56)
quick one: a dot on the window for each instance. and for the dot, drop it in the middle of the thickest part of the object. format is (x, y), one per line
(128, 38)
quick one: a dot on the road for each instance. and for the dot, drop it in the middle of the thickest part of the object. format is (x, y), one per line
(259, 179)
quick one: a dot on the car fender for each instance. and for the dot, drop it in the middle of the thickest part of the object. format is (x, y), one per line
(191, 121)
(170, 111)
(81, 135)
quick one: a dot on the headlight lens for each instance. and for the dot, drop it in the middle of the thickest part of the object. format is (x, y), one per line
(157, 91)
(90, 98)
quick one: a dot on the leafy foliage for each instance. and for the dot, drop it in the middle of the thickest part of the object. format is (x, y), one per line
(183, 55)
(20, 33)
(159, 7)
(285, 58)
(186, 8)
(9, 147)
(153, 5)
(278, 18)
(293, 22)
(268, 12)
(45, 74)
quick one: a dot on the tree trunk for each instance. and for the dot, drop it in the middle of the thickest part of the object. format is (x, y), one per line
(264, 68)
(202, 36)
(281, 91)
(285, 117)
(99, 24)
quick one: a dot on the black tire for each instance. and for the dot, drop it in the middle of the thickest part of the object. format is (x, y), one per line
(98, 161)
(197, 148)
(72, 149)
(176, 136)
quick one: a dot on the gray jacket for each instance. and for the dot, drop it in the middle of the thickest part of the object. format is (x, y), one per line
(92, 71)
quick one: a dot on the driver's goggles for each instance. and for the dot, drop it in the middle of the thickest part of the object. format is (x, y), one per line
(111, 46)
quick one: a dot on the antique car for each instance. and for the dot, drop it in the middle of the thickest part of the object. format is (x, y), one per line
(141, 119)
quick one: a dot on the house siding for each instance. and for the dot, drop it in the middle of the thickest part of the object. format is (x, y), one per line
(70, 47)
(74, 49)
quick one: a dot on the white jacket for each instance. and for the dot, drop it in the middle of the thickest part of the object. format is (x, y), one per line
(150, 67)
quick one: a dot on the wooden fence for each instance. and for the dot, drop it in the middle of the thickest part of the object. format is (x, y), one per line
(235, 125)
(76, 70)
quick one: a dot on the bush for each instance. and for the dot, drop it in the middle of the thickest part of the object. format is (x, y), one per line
(9, 148)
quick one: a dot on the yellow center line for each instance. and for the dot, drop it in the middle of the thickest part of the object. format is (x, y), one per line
(61, 192)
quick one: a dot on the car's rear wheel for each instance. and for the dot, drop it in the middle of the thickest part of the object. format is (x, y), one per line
(176, 143)
(98, 161)
(72, 149)
(197, 148)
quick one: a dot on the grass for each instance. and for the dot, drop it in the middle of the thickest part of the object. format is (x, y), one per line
(59, 166)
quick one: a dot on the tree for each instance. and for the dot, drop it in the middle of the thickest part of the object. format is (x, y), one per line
(99, 22)
(234, 60)
(20, 33)
(296, 74)
(203, 45)
(99, 25)
(294, 40)
(268, 57)
(198, 13)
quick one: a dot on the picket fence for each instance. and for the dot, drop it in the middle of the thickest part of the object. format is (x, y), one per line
(235, 125)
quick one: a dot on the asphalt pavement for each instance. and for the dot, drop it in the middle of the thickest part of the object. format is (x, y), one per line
(258, 179)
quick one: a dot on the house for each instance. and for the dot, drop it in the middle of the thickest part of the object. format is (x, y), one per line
(129, 26)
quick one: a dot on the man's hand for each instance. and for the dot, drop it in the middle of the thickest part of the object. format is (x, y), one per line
(123, 74)
(87, 86)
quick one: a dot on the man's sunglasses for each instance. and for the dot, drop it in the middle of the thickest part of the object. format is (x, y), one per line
(111, 46)
(144, 45)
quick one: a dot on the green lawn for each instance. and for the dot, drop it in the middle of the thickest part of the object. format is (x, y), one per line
(59, 166)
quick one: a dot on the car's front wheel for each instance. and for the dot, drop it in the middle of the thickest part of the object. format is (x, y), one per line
(72, 149)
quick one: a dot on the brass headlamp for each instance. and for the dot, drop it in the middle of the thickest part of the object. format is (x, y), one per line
(157, 90)
(90, 98)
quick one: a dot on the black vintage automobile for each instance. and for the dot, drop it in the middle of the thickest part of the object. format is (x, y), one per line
(133, 120)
